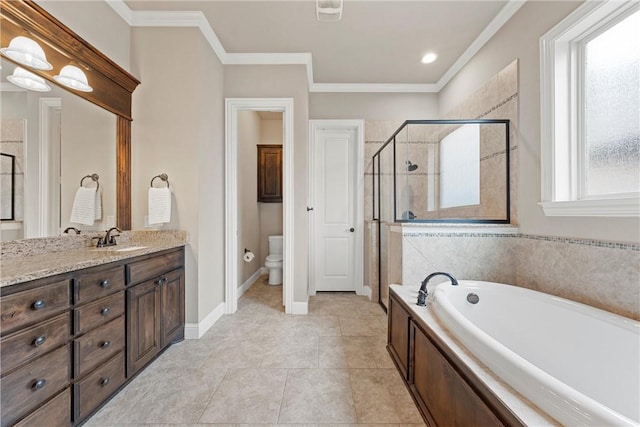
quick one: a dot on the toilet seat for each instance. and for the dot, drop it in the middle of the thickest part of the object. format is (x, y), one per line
(274, 258)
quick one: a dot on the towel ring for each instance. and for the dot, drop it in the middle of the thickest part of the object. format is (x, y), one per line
(94, 177)
(163, 177)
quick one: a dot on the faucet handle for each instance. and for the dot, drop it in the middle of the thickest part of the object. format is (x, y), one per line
(100, 241)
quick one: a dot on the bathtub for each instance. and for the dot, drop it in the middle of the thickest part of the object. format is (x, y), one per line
(579, 364)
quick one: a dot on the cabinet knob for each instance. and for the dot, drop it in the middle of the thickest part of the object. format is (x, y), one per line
(104, 382)
(39, 341)
(105, 311)
(39, 384)
(159, 281)
(39, 304)
(165, 280)
(105, 283)
(105, 344)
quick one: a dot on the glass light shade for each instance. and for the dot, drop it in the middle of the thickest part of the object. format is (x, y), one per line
(27, 80)
(27, 52)
(429, 58)
(74, 78)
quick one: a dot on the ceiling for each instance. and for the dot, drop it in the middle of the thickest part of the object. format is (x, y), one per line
(375, 42)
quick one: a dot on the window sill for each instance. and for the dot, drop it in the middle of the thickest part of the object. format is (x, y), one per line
(624, 207)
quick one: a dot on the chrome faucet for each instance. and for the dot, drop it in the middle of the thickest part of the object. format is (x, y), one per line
(108, 239)
(422, 293)
(68, 229)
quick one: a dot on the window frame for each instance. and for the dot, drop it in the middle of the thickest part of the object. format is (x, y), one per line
(562, 112)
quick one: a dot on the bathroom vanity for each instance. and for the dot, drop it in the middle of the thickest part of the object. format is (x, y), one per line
(70, 341)
(446, 389)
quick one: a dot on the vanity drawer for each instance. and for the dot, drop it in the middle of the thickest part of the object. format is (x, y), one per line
(96, 284)
(27, 387)
(54, 413)
(98, 313)
(98, 386)
(151, 268)
(94, 347)
(24, 308)
(26, 345)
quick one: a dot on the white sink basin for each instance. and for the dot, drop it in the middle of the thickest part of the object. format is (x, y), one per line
(130, 248)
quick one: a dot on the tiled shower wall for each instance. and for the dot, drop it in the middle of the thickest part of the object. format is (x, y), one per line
(601, 274)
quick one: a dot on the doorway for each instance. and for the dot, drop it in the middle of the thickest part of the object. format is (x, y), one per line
(336, 187)
(233, 253)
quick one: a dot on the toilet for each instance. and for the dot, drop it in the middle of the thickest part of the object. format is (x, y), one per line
(274, 261)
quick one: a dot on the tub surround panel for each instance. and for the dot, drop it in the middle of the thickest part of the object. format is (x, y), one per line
(30, 259)
(594, 272)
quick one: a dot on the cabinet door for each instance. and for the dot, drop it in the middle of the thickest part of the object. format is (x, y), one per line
(441, 392)
(143, 324)
(172, 325)
(270, 173)
(399, 335)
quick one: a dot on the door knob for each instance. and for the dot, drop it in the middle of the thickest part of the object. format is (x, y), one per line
(352, 229)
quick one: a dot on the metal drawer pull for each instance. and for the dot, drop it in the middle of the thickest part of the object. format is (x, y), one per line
(105, 311)
(39, 341)
(39, 384)
(104, 382)
(39, 304)
(104, 283)
(105, 344)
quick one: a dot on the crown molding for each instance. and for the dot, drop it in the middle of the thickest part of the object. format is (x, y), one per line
(144, 18)
(374, 87)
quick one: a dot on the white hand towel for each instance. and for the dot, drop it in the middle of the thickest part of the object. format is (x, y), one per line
(84, 206)
(98, 216)
(159, 205)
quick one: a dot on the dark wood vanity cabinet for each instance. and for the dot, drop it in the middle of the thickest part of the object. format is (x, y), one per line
(155, 301)
(445, 390)
(70, 342)
(270, 173)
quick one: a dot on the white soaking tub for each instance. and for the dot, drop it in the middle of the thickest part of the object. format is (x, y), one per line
(579, 364)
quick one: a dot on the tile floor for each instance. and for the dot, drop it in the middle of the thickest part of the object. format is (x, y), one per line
(262, 367)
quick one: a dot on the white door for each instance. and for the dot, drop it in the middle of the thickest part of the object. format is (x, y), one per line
(334, 214)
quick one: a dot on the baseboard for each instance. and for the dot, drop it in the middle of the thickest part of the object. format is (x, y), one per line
(366, 291)
(300, 308)
(251, 280)
(193, 331)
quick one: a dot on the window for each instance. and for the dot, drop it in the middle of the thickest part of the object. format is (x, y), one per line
(590, 101)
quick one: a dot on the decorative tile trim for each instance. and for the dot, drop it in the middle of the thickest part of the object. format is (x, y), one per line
(554, 239)
(498, 105)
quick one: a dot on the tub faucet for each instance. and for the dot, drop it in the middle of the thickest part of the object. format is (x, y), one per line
(422, 293)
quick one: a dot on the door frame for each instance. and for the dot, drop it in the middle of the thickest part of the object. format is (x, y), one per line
(232, 258)
(358, 127)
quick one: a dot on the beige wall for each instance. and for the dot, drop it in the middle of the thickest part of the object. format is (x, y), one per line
(249, 136)
(179, 130)
(97, 23)
(270, 213)
(283, 81)
(519, 38)
(373, 106)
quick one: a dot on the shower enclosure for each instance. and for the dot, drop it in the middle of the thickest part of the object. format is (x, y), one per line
(438, 171)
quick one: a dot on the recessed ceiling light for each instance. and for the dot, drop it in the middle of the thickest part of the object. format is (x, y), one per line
(429, 58)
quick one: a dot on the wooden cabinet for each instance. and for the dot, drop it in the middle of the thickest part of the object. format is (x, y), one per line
(398, 339)
(270, 173)
(447, 392)
(69, 342)
(155, 301)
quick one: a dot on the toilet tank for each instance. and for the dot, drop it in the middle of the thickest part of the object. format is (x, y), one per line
(275, 245)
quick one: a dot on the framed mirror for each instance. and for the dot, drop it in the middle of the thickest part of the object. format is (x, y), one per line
(96, 131)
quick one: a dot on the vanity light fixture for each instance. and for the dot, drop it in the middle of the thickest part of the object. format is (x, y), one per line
(429, 58)
(328, 10)
(73, 78)
(27, 80)
(27, 52)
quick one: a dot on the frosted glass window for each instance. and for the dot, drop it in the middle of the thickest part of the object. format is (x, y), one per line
(460, 167)
(612, 110)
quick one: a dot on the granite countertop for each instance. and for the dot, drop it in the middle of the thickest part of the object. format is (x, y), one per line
(37, 258)
(528, 413)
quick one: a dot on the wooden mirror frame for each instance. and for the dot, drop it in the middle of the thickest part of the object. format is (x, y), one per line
(112, 85)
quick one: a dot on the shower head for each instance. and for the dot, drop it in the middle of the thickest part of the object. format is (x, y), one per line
(410, 166)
